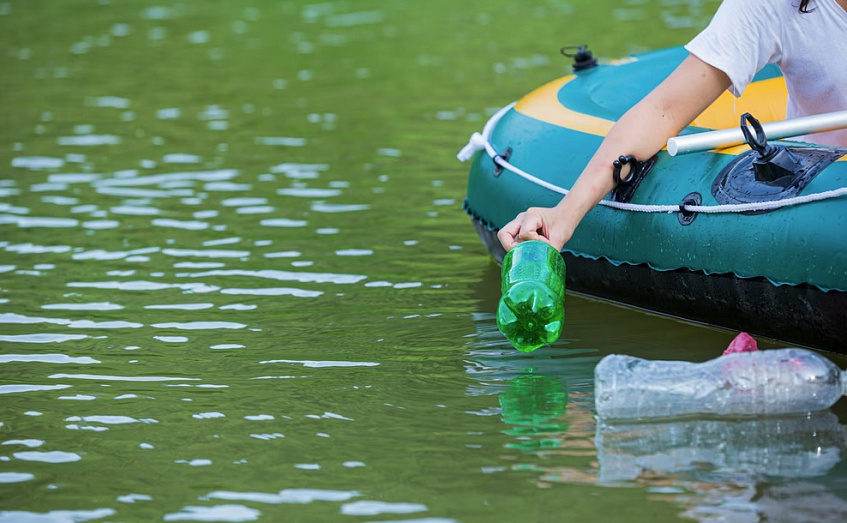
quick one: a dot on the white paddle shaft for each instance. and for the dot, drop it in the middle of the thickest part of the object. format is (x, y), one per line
(692, 143)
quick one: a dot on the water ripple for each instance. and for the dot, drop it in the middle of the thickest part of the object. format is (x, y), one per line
(41, 338)
(321, 364)
(182, 306)
(199, 265)
(231, 513)
(354, 18)
(37, 162)
(283, 254)
(14, 477)
(132, 498)
(89, 140)
(268, 436)
(104, 377)
(336, 208)
(94, 306)
(181, 158)
(283, 222)
(11, 317)
(305, 192)
(144, 193)
(208, 253)
(188, 225)
(30, 443)
(115, 102)
(259, 209)
(354, 252)
(300, 171)
(285, 141)
(300, 496)
(55, 456)
(14, 389)
(171, 113)
(140, 285)
(65, 178)
(273, 291)
(200, 325)
(42, 221)
(272, 274)
(110, 420)
(243, 202)
(167, 180)
(54, 516)
(29, 248)
(102, 255)
(374, 508)
(135, 210)
(47, 358)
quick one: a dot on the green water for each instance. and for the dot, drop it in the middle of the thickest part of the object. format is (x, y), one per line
(236, 282)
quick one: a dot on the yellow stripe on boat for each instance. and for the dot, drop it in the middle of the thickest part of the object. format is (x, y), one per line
(543, 104)
(766, 99)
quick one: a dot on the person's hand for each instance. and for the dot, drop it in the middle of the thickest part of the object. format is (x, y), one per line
(536, 223)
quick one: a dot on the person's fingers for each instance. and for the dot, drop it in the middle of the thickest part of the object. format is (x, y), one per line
(509, 232)
(530, 226)
(506, 240)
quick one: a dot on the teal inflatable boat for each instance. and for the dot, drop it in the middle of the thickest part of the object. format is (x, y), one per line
(751, 237)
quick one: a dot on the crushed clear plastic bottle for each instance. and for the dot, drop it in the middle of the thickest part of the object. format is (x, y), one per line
(771, 382)
(531, 311)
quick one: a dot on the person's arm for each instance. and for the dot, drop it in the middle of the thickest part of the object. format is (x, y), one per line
(641, 132)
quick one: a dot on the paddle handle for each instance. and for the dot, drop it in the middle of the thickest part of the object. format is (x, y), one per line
(692, 143)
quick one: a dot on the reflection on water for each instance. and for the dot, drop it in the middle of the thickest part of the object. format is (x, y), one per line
(535, 402)
(773, 469)
(788, 448)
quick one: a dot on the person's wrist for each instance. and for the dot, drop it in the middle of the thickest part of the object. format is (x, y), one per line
(561, 230)
(564, 235)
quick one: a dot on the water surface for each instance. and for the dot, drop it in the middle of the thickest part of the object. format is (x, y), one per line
(236, 283)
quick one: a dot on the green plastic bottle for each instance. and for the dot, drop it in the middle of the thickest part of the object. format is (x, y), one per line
(531, 312)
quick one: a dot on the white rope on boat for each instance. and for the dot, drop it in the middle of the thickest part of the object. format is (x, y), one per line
(480, 142)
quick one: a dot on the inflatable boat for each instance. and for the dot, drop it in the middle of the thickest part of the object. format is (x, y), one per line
(749, 237)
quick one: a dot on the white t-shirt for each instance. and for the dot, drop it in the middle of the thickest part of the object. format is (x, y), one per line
(809, 48)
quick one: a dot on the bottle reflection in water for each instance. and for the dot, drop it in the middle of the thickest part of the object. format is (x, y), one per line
(787, 447)
(535, 401)
(533, 406)
(531, 310)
